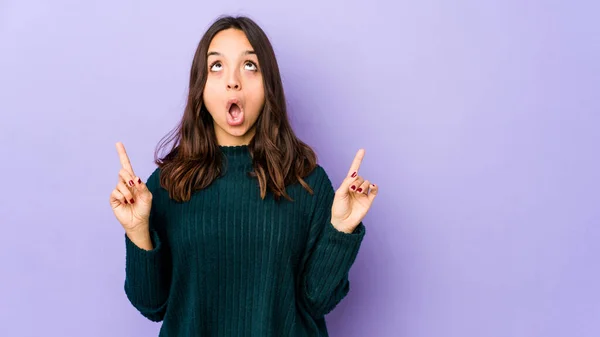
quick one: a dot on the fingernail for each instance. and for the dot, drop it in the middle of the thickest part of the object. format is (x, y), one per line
(131, 183)
(131, 201)
(353, 174)
(353, 187)
(139, 181)
(359, 190)
(126, 201)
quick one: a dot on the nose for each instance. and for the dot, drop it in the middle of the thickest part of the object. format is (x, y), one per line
(233, 82)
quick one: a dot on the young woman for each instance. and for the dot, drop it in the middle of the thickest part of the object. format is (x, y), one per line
(239, 231)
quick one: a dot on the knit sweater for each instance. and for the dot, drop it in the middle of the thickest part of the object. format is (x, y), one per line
(228, 263)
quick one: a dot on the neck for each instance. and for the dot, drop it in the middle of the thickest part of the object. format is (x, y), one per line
(233, 141)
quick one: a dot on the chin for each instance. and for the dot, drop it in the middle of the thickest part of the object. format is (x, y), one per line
(238, 131)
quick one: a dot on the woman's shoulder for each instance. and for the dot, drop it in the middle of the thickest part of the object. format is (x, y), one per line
(318, 178)
(318, 172)
(153, 181)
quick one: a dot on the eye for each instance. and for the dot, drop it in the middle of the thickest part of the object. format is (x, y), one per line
(251, 66)
(216, 66)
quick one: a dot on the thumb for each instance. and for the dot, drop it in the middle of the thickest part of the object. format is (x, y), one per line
(115, 202)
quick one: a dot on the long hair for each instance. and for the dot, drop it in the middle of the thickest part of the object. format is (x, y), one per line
(194, 160)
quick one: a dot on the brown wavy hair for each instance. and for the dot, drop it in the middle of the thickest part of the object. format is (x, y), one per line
(194, 159)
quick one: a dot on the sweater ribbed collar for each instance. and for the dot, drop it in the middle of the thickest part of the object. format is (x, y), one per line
(237, 157)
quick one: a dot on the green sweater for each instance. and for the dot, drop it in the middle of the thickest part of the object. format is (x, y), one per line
(227, 263)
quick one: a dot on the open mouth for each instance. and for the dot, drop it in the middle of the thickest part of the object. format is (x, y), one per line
(235, 111)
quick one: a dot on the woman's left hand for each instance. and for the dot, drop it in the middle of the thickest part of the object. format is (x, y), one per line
(353, 198)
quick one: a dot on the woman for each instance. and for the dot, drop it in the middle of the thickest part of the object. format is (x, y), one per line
(239, 231)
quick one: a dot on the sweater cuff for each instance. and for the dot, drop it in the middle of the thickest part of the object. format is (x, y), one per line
(348, 238)
(135, 252)
(342, 247)
(145, 274)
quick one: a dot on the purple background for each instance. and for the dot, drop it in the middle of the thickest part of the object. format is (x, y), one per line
(480, 121)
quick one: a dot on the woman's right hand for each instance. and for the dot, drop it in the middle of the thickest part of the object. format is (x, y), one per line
(131, 200)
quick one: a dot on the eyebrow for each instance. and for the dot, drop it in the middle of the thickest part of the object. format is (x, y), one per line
(216, 53)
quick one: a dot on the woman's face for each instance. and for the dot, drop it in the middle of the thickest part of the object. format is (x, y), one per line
(234, 93)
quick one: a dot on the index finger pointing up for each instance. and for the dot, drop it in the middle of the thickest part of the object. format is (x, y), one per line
(124, 158)
(357, 161)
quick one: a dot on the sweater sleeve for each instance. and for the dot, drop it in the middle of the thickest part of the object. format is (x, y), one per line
(148, 273)
(329, 253)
